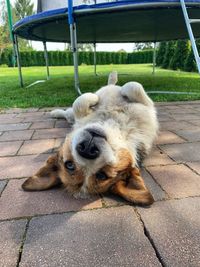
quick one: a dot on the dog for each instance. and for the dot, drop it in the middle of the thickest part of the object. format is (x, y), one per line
(113, 131)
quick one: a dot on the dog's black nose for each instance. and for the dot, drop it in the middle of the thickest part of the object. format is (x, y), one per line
(87, 149)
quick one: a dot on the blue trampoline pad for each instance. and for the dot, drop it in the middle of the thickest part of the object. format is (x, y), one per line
(121, 21)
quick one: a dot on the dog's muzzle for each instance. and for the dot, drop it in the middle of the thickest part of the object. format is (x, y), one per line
(89, 147)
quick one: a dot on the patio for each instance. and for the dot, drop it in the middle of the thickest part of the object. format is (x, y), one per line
(50, 228)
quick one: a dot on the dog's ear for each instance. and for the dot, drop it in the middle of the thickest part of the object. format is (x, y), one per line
(133, 189)
(113, 78)
(45, 178)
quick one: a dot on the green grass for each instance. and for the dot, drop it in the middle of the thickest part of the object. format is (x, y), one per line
(59, 90)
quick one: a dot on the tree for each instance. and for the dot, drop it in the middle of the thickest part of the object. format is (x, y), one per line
(181, 52)
(5, 41)
(169, 53)
(161, 53)
(23, 8)
(85, 47)
(143, 46)
(190, 63)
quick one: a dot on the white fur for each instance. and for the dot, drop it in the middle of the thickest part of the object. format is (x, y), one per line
(126, 115)
(113, 79)
(67, 114)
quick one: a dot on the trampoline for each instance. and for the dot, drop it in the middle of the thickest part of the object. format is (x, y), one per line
(111, 22)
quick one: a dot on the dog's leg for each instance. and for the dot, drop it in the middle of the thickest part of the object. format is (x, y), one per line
(84, 105)
(135, 93)
(67, 114)
(113, 78)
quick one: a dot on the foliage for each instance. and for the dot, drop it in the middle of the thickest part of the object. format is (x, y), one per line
(190, 63)
(169, 53)
(85, 47)
(181, 52)
(5, 41)
(23, 8)
(143, 46)
(63, 58)
(161, 53)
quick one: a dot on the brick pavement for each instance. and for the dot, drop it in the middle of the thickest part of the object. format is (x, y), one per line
(53, 229)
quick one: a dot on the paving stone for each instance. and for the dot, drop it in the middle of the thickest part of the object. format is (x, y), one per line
(111, 200)
(30, 114)
(175, 125)
(10, 120)
(90, 238)
(155, 189)
(44, 202)
(9, 148)
(2, 186)
(50, 133)
(37, 146)
(6, 117)
(196, 122)
(14, 126)
(174, 228)
(190, 134)
(187, 117)
(38, 119)
(62, 124)
(180, 110)
(183, 152)
(167, 137)
(166, 117)
(21, 166)
(58, 143)
(195, 166)
(16, 135)
(10, 241)
(43, 124)
(177, 180)
(14, 110)
(31, 110)
(157, 157)
(48, 109)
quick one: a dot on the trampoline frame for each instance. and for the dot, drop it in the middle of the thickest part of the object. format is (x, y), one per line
(73, 40)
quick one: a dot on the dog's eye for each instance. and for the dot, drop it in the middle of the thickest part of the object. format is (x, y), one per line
(101, 175)
(69, 165)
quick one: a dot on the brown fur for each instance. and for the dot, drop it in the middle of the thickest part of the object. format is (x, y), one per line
(123, 180)
(134, 189)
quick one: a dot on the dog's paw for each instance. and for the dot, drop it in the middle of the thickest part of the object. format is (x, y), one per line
(66, 114)
(84, 104)
(58, 113)
(113, 78)
(135, 92)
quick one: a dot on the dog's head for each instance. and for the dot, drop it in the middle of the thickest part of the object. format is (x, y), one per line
(91, 161)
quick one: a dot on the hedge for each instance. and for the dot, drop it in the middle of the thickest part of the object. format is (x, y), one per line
(63, 58)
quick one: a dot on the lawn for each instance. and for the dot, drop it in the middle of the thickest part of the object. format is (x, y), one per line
(59, 90)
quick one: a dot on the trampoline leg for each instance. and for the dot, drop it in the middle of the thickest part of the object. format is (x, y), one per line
(75, 56)
(46, 59)
(95, 60)
(154, 58)
(191, 35)
(17, 55)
